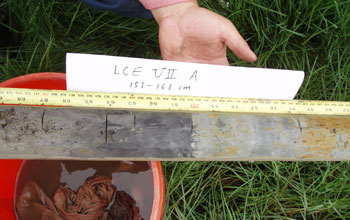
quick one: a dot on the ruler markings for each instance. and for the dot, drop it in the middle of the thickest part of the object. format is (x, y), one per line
(170, 102)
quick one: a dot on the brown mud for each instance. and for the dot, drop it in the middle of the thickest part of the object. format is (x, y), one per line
(134, 178)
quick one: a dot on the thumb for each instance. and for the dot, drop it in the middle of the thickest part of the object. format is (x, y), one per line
(237, 44)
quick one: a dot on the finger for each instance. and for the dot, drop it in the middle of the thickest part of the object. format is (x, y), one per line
(237, 44)
(190, 59)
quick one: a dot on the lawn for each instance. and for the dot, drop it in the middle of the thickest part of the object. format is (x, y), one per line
(308, 35)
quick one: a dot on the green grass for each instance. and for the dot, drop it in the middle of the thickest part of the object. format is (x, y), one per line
(258, 190)
(309, 35)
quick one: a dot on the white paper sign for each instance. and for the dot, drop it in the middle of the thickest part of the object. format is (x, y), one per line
(86, 72)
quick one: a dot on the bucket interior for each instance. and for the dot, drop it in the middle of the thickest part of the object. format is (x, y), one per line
(10, 168)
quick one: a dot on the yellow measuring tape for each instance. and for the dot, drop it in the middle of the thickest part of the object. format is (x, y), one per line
(169, 102)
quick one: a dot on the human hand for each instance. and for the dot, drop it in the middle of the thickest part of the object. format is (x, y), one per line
(191, 33)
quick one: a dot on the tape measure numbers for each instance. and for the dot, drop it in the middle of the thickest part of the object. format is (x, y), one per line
(169, 102)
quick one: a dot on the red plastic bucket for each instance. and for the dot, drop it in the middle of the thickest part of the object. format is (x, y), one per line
(9, 168)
